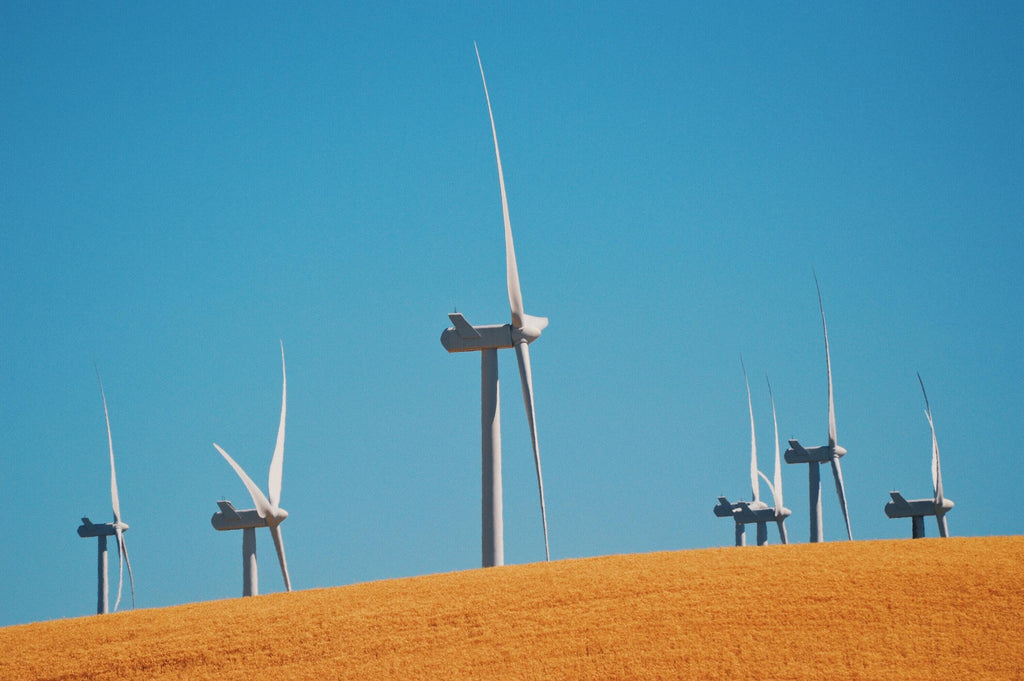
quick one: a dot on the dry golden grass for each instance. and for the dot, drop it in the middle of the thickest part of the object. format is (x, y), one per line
(864, 610)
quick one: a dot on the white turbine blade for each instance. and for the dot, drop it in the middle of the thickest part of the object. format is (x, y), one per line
(120, 564)
(114, 499)
(771, 488)
(122, 561)
(263, 505)
(753, 441)
(275, 532)
(828, 365)
(277, 463)
(515, 295)
(123, 548)
(936, 466)
(526, 378)
(943, 527)
(837, 473)
(936, 470)
(777, 487)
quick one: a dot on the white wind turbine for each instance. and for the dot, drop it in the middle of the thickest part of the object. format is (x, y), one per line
(917, 509)
(830, 453)
(104, 530)
(464, 337)
(267, 513)
(757, 512)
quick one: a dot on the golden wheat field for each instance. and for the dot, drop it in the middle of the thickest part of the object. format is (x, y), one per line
(926, 608)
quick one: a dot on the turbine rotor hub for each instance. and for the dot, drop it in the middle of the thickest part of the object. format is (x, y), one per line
(526, 334)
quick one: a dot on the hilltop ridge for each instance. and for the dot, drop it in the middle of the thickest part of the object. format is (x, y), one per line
(866, 609)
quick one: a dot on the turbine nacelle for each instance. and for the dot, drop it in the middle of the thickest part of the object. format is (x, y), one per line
(900, 507)
(91, 529)
(797, 453)
(464, 337)
(230, 518)
(749, 512)
(725, 509)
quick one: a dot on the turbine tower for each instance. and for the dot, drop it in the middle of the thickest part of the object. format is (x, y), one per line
(830, 453)
(487, 340)
(917, 509)
(104, 530)
(267, 513)
(757, 512)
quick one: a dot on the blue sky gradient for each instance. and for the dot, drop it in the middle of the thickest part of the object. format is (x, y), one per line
(184, 185)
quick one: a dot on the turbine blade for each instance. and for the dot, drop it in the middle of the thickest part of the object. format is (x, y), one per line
(515, 295)
(778, 468)
(120, 565)
(128, 564)
(828, 365)
(936, 466)
(114, 499)
(275, 532)
(771, 488)
(277, 463)
(263, 505)
(526, 378)
(122, 560)
(837, 473)
(753, 440)
(936, 469)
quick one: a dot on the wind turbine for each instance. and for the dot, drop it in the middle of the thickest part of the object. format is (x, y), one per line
(487, 340)
(104, 530)
(917, 509)
(267, 513)
(757, 512)
(830, 453)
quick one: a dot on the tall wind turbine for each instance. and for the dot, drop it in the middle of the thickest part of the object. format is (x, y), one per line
(267, 513)
(830, 453)
(104, 530)
(756, 512)
(487, 340)
(917, 509)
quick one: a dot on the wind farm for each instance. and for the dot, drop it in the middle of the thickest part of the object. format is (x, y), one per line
(182, 189)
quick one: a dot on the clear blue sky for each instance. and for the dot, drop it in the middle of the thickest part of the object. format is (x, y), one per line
(183, 185)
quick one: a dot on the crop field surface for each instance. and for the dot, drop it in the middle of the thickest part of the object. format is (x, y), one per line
(928, 608)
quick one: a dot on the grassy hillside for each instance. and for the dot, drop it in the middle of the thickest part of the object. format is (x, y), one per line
(927, 608)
